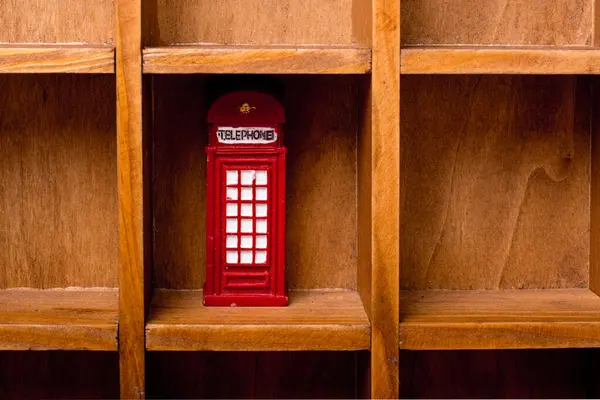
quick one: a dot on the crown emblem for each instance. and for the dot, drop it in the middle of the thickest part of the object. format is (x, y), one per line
(246, 108)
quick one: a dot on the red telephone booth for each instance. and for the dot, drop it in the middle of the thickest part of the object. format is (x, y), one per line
(245, 207)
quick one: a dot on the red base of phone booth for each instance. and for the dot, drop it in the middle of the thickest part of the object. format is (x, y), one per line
(253, 300)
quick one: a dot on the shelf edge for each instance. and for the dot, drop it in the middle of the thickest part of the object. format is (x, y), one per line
(57, 59)
(256, 60)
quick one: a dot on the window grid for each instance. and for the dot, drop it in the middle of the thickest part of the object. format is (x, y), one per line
(238, 184)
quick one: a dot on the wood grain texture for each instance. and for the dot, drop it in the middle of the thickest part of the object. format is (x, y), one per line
(257, 22)
(59, 375)
(256, 60)
(495, 60)
(314, 320)
(362, 22)
(71, 59)
(385, 207)
(58, 202)
(543, 22)
(559, 318)
(502, 374)
(58, 319)
(321, 181)
(594, 281)
(263, 375)
(58, 21)
(495, 194)
(131, 161)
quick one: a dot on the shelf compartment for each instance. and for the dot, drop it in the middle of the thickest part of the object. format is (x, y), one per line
(500, 60)
(314, 320)
(257, 60)
(58, 319)
(57, 59)
(512, 319)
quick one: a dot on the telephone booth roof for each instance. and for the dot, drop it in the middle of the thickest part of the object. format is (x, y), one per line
(246, 107)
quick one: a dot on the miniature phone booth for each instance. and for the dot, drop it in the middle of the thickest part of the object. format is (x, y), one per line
(245, 207)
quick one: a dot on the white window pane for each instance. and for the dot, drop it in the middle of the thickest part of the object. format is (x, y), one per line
(247, 225)
(246, 210)
(246, 257)
(261, 177)
(231, 225)
(232, 257)
(247, 177)
(232, 194)
(231, 209)
(232, 177)
(261, 193)
(246, 242)
(261, 210)
(261, 242)
(247, 193)
(261, 226)
(260, 257)
(231, 242)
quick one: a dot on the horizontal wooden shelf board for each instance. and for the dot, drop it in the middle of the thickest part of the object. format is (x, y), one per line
(500, 60)
(314, 320)
(57, 59)
(58, 319)
(554, 318)
(257, 60)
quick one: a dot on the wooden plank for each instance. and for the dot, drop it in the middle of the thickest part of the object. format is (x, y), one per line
(314, 320)
(495, 194)
(494, 60)
(131, 198)
(59, 21)
(259, 22)
(256, 60)
(385, 208)
(321, 181)
(559, 318)
(58, 222)
(58, 319)
(362, 21)
(66, 59)
(594, 278)
(515, 22)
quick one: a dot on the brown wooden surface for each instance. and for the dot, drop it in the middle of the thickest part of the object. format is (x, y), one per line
(321, 181)
(594, 283)
(59, 375)
(495, 194)
(523, 374)
(558, 318)
(256, 22)
(385, 171)
(130, 146)
(58, 319)
(240, 375)
(53, 59)
(541, 22)
(58, 21)
(314, 320)
(362, 22)
(500, 60)
(58, 203)
(254, 60)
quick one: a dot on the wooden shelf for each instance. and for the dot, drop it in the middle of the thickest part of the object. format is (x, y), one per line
(314, 320)
(516, 319)
(257, 60)
(58, 319)
(57, 59)
(500, 60)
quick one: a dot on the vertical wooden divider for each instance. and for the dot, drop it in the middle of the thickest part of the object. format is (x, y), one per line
(595, 191)
(131, 157)
(385, 198)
